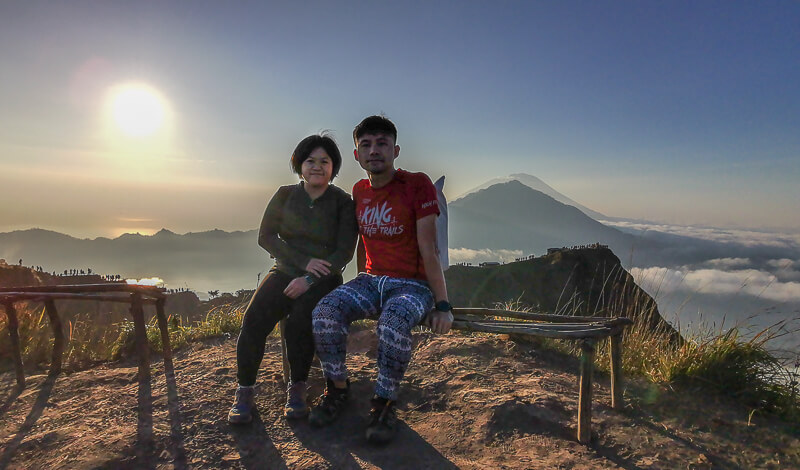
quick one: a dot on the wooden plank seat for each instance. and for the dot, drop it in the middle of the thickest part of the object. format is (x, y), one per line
(587, 330)
(136, 295)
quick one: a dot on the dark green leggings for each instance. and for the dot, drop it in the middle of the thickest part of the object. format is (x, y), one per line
(267, 307)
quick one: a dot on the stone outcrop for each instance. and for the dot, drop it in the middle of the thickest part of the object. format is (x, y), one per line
(590, 282)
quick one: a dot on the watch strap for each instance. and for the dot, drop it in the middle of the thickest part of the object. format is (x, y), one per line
(443, 306)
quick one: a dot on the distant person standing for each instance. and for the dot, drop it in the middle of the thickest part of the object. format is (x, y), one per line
(310, 230)
(400, 278)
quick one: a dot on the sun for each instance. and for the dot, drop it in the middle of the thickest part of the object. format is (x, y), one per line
(138, 110)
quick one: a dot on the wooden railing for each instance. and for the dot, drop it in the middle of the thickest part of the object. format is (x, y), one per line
(137, 296)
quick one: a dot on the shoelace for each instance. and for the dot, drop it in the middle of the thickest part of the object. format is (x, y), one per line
(332, 400)
(384, 411)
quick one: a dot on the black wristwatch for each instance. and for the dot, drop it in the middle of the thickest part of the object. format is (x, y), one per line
(443, 306)
(309, 279)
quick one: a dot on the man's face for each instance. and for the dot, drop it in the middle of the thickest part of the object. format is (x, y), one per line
(376, 153)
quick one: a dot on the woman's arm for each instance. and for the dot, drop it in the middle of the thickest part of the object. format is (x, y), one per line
(346, 235)
(268, 232)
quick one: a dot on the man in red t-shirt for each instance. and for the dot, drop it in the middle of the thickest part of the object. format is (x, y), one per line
(400, 278)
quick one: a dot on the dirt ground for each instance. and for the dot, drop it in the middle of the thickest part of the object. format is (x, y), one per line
(472, 402)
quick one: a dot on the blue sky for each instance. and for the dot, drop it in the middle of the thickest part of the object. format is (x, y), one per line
(675, 112)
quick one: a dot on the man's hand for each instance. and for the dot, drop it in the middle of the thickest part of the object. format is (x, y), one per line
(440, 322)
(296, 288)
(318, 267)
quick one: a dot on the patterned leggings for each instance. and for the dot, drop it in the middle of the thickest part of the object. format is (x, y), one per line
(398, 304)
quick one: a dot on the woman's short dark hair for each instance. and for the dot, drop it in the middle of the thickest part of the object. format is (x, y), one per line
(308, 145)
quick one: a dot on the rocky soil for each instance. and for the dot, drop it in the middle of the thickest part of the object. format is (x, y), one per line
(469, 401)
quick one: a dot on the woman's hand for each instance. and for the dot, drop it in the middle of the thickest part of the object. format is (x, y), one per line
(296, 288)
(320, 267)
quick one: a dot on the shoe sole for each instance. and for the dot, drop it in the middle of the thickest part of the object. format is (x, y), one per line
(320, 423)
(295, 414)
(372, 438)
(242, 420)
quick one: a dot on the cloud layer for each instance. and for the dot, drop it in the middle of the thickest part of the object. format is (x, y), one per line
(749, 282)
(466, 255)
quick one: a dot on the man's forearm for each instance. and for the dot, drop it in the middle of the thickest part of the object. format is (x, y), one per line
(433, 271)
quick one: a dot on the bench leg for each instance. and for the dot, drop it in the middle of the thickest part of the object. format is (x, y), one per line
(585, 394)
(284, 353)
(615, 346)
(13, 333)
(58, 336)
(166, 347)
(140, 333)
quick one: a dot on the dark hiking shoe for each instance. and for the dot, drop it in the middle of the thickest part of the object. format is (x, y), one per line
(383, 421)
(331, 404)
(243, 406)
(296, 405)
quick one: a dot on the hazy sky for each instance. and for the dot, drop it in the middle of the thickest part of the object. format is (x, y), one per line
(675, 112)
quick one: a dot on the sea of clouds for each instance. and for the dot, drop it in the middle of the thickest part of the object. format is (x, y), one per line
(466, 255)
(723, 278)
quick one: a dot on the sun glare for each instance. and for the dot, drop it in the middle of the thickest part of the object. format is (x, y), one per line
(138, 110)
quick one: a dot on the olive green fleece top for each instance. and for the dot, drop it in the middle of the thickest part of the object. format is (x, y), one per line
(295, 229)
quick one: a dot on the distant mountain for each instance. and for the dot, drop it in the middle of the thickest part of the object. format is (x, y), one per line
(514, 216)
(539, 185)
(507, 216)
(213, 260)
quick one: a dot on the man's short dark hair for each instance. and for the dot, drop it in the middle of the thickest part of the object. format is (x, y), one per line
(309, 144)
(375, 125)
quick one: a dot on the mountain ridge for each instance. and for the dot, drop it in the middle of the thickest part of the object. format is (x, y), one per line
(537, 184)
(229, 261)
(538, 222)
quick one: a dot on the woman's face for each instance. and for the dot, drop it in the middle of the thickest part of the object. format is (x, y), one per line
(317, 168)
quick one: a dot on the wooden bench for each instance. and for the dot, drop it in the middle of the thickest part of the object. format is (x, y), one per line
(136, 295)
(587, 330)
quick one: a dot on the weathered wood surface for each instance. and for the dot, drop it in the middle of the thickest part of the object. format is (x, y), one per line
(151, 291)
(615, 351)
(121, 297)
(166, 347)
(140, 334)
(284, 352)
(544, 317)
(136, 295)
(585, 392)
(58, 336)
(13, 333)
(534, 330)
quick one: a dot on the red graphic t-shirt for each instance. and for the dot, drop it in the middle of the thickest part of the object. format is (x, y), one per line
(387, 221)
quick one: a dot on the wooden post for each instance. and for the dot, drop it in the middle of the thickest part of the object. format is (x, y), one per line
(58, 336)
(284, 353)
(166, 348)
(16, 352)
(615, 350)
(140, 332)
(585, 394)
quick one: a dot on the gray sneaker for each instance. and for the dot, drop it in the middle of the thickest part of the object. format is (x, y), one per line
(296, 401)
(243, 406)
